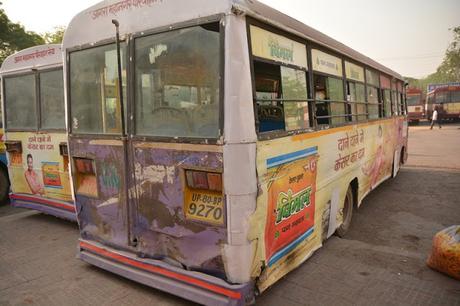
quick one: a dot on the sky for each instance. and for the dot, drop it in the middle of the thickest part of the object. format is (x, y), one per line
(408, 36)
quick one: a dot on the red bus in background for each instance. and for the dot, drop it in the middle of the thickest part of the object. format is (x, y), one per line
(415, 104)
(446, 97)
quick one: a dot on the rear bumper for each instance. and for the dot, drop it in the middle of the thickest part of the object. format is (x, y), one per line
(60, 209)
(194, 286)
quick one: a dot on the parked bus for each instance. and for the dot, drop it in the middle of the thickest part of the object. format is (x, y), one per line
(35, 134)
(242, 141)
(415, 105)
(4, 181)
(446, 97)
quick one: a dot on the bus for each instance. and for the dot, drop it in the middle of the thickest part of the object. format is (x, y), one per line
(446, 97)
(35, 131)
(4, 180)
(215, 145)
(415, 105)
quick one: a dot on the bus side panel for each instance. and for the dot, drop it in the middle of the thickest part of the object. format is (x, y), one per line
(163, 228)
(50, 176)
(365, 152)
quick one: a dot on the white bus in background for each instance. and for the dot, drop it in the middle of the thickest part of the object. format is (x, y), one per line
(35, 131)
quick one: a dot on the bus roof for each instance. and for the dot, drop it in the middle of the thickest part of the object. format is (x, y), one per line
(94, 25)
(431, 88)
(38, 57)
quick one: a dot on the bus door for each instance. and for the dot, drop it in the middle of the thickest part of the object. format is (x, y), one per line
(178, 173)
(96, 144)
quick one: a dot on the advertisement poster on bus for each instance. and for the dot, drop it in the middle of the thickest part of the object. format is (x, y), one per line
(291, 202)
(2, 146)
(39, 169)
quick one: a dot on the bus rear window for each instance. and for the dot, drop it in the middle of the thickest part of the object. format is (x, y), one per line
(94, 92)
(20, 102)
(52, 100)
(177, 83)
(413, 100)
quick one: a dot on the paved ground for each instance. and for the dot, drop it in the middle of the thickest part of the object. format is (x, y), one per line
(381, 261)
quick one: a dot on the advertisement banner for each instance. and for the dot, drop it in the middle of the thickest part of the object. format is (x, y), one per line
(39, 169)
(277, 48)
(291, 202)
(354, 72)
(326, 63)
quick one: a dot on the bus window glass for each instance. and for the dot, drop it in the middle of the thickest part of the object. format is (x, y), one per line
(20, 102)
(330, 107)
(177, 83)
(372, 77)
(270, 110)
(52, 100)
(442, 97)
(413, 100)
(395, 103)
(373, 102)
(455, 96)
(294, 87)
(387, 102)
(94, 98)
(356, 97)
(402, 108)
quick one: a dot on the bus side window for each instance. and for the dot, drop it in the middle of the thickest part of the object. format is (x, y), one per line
(373, 102)
(356, 101)
(281, 97)
(268, 93)
(330, 107)
(386, 93)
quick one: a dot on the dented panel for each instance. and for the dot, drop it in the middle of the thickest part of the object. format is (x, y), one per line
(160, 225)
(102, 216)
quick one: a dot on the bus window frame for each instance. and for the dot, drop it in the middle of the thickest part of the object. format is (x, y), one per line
(219, 18)
(130, 72)
(350, 115)
(310, 86)
(347, 80)
(38, 115)
(5, 113)
(39, 110)
(279, 133)
(344, 101)
(88, 46)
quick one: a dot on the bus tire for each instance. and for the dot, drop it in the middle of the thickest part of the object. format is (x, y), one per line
(348, 202)
(4, 186)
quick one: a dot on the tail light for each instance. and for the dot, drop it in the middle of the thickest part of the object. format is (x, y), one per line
(85, 177)
(204, 180)
(84, 166)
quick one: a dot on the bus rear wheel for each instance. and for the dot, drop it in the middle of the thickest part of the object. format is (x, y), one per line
(347, 213)
(4, 186)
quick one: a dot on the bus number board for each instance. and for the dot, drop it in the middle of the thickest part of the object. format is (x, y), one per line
(204, 206)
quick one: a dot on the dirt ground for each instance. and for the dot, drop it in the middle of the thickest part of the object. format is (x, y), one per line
(380, 262)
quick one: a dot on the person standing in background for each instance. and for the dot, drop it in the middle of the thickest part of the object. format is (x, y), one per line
(434, 118)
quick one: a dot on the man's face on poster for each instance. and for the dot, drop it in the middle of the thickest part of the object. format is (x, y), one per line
(30, 163)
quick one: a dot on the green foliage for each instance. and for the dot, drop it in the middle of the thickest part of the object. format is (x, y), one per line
(13, 37)
(450, 66)
(448, 71)
(54, 37)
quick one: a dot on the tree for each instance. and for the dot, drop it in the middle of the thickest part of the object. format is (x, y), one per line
(56, 36)
(448, 70)
(450, 66)
(13, 37)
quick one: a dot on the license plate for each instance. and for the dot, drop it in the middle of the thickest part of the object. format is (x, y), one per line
(203, 206)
